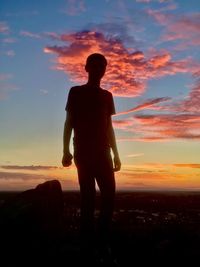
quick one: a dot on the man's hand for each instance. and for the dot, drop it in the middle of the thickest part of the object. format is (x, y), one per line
(67, 159)
(117, 164)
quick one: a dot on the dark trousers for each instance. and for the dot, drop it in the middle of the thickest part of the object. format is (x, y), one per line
(97, 167)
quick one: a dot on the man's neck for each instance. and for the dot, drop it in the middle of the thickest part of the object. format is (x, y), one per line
(95, 83)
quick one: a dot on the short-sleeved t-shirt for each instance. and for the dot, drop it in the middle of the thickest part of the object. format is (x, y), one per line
(90, 109)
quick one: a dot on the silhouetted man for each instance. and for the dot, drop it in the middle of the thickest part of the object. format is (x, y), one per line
(89, 109)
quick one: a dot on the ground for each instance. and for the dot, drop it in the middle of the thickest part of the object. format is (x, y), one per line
(148, 227)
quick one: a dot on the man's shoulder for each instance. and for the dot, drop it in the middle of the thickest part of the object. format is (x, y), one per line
(76, 88)
(106, 92)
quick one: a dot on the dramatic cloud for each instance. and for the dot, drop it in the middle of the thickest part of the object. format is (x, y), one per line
(161, 127)
(120, 74)
(181, 122)
(123, 124)
(170, 125)
(192, 102)
(119, 31)
(148, 104)
(142, 139)
(184, 28)
(128, 70)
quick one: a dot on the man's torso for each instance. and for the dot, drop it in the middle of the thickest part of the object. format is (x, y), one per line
(90, 109)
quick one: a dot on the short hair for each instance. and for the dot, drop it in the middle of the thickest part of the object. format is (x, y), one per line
(96, 57)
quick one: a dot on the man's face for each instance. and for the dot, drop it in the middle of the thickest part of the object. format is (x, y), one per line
(96, 69)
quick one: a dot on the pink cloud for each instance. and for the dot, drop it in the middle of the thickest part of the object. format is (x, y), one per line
(143, 1)
(9, 40)
(74, 7)
(160, 60)
(192, 102)
(142, 139)
(120, 78)
(184, 124)
(30, 34)
(148, 104)
(123, 124)
(159, 16)
(5, 89)
(52, 35)
(4, 28)
(148, 1)
(10, 53)
(5, 76)
(184, 28)
(163, 127)
(128, 71)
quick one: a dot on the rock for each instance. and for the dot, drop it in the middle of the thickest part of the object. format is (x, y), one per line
(32, 220)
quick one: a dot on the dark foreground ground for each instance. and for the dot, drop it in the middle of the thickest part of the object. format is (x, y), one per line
(154, 228)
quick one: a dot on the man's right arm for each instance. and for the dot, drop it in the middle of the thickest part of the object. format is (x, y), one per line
(67, 156)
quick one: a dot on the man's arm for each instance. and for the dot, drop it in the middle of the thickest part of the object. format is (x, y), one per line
(112, 140)
(67, 156)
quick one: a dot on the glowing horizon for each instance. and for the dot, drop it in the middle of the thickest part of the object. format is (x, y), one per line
(131, 177)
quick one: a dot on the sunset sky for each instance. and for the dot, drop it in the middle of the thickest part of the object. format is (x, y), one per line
(153, 53)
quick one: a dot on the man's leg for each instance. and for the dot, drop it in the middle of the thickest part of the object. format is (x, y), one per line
(87, 192)
(106, 183)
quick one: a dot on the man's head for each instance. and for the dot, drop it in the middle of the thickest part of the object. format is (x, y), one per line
(96, 65)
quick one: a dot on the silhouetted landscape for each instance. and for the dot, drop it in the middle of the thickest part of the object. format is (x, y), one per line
(148, 227)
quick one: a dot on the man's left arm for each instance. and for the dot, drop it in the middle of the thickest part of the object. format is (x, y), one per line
(112, 141)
